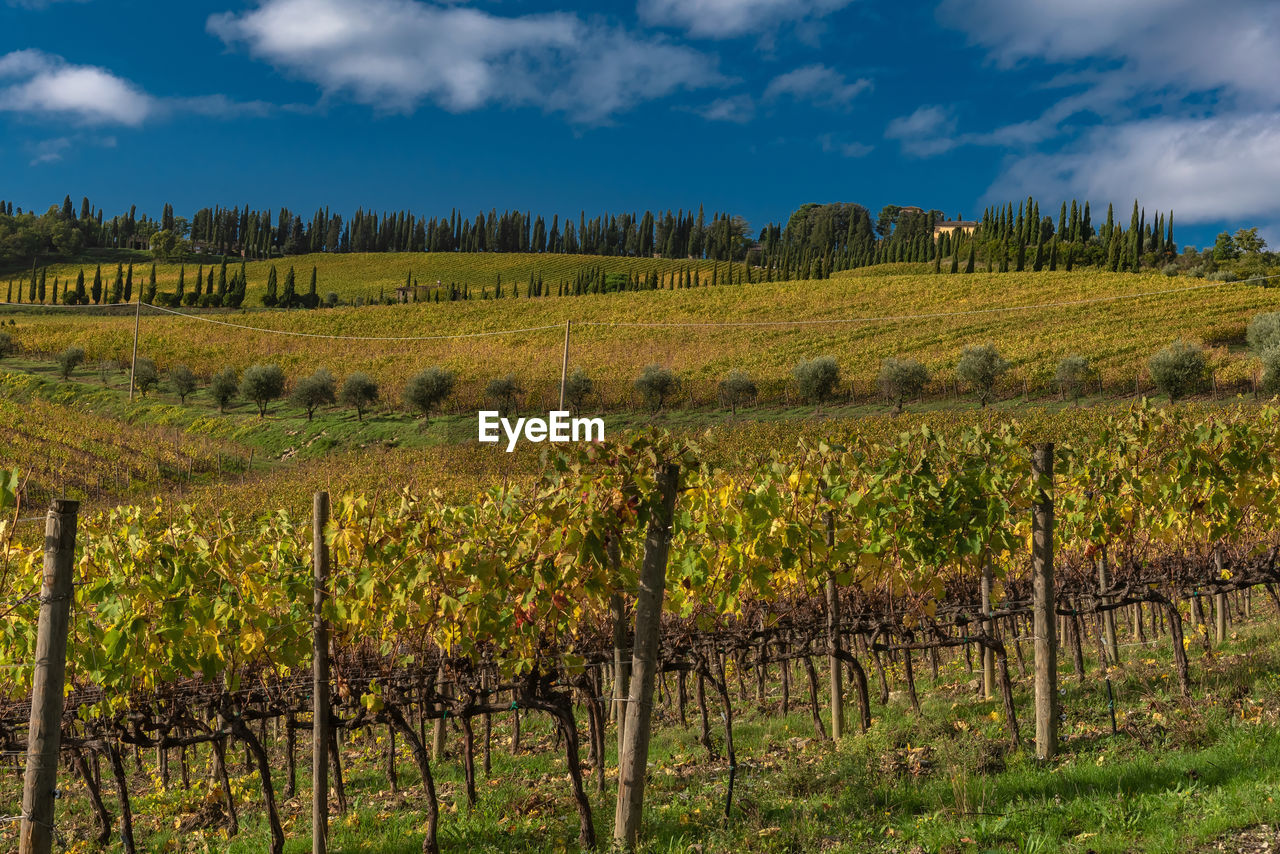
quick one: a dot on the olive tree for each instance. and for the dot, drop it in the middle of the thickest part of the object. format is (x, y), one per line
(902, 379)
(817, 379)
(70, 359)
(1179, 369)
(737, 389)
(577, 388)
(315, 391)
(655, 385)
(1263, 331)
(981, 367)
(224, 387)
(262, 384)
(145, 375)
(359, 392)
(505, 393)
(428, 389)
(1072, 375)
(183, 380)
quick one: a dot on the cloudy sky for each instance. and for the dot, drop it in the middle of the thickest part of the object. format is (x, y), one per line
(753, 106)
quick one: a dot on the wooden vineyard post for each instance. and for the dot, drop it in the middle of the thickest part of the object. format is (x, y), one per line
(1043, 607)
(833, 642)
(320, 686)
(44, 735)
(1219, 601)
(1108, 617)
(564, 365)
(133, 366)
(988, 627)
(634, 757)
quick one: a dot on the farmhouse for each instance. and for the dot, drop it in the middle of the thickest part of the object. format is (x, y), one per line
(950, 225)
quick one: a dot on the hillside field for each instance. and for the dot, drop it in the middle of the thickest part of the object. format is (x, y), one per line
(370, 276)
(911, 314)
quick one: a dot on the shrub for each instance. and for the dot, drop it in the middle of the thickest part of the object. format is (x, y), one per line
(505, 393)
(428, 389)
(577, 388)
(1263, 331)
(817, 379)
(901, 379)
(1179, 369)
(359, 392)
(145, 375)
(262, 384)
(224, 387)
(737, 389)
(331, 299)
(1073, 374)
(655, 385)
(184, 382)
(981, 367)
(6, 344)
(70, 359)
(315, 391)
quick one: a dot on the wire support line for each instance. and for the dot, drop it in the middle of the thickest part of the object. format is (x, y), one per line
(890, 318)
(357, 337)
(708, 324)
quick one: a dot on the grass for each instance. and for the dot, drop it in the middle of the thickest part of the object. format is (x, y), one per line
(1176, 776)
(1117, 337)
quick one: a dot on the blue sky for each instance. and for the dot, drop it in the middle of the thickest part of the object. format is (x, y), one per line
(752, 106)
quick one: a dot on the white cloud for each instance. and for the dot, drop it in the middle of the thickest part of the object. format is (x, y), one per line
(43, 86)
(395, 54)
(926, 132)
(37, 4)
(1205, 169)
(818, 84)
(49, 86)
(722, 19)
(833, 145)
(49, 150)
(1230, 45)
(738, 109)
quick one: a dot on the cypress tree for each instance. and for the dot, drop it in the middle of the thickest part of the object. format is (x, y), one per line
(288, 295)
(968, 267)
(35, 284)
(313, 298)
(97, 286)
(937, 263)
(269, 299)
(150, 295)
(117, 288)
(1053, 254)
(222, 278)
(955, 263)
(1071, 254)
(40, 291)
(82, 298)
(1020, 257)
(1038, 264)
(128, 284)
(182, 283)
(199, 281)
